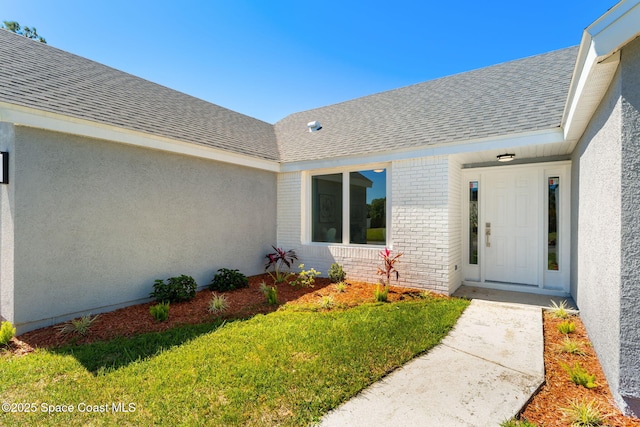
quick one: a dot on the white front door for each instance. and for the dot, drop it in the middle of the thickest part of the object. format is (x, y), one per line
(516, 227)
(511, 223)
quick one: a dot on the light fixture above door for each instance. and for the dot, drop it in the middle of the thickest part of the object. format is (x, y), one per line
(506, 157)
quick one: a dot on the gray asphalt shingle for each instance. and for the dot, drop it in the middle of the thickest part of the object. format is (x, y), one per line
(36, 75)
(509, 98)
(504, 99)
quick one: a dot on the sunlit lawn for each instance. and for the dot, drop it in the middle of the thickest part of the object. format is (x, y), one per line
(286, 368)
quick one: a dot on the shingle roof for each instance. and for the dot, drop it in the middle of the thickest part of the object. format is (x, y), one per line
(513, 97)
(509, 98)
(36, 75)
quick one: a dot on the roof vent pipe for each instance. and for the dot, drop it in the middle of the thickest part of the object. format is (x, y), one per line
(314, 126)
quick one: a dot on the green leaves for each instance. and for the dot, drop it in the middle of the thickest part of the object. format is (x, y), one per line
(177, 289)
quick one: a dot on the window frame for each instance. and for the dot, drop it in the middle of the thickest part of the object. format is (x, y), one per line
(307, 205)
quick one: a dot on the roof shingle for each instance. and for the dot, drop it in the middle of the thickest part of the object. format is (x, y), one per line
(36, 75)
(509, 98)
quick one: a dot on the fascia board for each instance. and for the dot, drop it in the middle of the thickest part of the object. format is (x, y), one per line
(31, 117)
(597, 60)
(615, 28)
(548, 136)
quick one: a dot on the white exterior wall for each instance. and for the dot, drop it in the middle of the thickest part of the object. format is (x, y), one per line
(425, 226)
(95, 223)
(455, 224)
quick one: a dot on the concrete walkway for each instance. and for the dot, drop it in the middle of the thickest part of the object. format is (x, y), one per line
(481, 374)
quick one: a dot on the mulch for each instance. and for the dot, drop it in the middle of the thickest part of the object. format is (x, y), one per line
(545, 408)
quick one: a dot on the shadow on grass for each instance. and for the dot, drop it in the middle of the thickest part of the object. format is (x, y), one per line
(106, 356)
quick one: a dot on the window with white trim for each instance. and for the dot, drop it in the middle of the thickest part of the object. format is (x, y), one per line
(350, 207)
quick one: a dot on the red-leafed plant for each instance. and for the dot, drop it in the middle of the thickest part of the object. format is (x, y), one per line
(280, 262)
(387, 270)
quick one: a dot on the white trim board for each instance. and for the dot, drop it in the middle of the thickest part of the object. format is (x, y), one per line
(24, 116)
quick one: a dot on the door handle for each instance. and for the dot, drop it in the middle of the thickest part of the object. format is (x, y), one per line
(487, 234)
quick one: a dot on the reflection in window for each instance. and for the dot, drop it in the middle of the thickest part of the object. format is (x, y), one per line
(326, 209)
(552, 231)
(473, 222)
(368, 207)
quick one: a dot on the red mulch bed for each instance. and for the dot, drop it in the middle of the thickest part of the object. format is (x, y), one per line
(545, 408)
(243, 303)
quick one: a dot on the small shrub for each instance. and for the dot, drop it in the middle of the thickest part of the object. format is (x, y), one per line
(381, 293)
(327, 302)
(270, 293)
(7, 331)
(160, 311)
(177, 289)
(566, 327)
(79, 326)
(388, 268)
(341, 287)
(218, 304)
(228, 280)
(572, 347)
(584, 414)
(280, 261)
(517, 423)
(306, 278)
(580, 376)
(336, 273)
(559, 311)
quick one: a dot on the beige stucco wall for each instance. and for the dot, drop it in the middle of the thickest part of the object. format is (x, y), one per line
(95, 223)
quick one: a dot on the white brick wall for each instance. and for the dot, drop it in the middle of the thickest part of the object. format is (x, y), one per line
(420, 221)
(425, 217)
(455, 224)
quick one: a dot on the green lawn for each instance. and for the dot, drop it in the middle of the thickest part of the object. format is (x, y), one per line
(286, 368)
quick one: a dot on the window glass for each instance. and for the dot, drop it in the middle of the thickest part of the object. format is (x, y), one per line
(368, 207)
(326, 209)
(473, 222)
(553, 221)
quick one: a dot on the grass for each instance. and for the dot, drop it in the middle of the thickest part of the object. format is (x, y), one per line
(559, 311)
(286, 368)
(572, 347)
(376, 234)
(584, 414)
(566, 327)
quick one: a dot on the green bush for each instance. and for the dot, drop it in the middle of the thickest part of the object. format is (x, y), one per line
(228, 280)
(270, 293)
(177, 289)
(580, 376)
(381, 294)
(566, 327)
(336, 273)
(160, 311)
(306, 278)
(7, 331)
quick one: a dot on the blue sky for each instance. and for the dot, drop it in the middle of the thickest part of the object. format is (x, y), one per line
(270, 58)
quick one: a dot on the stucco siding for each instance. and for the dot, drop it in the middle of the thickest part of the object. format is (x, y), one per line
(630, 238)
(596, 170)
(96, 222)
(7, 142)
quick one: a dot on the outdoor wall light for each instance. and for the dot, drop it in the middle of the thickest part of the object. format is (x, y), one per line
(314, 126)
(507, 157)
(4, 167)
